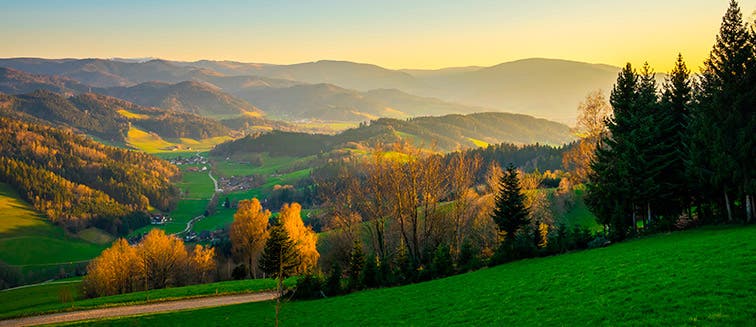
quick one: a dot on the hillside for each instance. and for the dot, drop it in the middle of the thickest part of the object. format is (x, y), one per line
(17, 82)
(446, 133)
(190, 96)
(78, 183)
(34, 248)
(106, 117)
(643, 282)
(332, 103)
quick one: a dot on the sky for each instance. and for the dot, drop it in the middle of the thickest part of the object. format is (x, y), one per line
(419, 34)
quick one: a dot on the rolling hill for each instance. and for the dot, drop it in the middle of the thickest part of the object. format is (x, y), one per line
(190, 96)
(329, 102)
(106, 117)
(445, 133)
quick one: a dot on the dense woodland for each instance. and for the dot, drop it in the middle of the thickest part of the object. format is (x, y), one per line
(78, 182)
(687, 149)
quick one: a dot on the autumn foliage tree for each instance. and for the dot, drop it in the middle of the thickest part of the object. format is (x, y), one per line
(592, 113)
(249, 232)
(159, 261)
(304, 238)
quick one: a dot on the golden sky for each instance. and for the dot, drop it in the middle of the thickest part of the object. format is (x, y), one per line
(394, 34)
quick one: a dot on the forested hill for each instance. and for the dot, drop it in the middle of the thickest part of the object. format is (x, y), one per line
(77, 182)
(106, 117)
(443, 133)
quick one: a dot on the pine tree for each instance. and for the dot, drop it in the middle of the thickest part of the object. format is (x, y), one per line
(676, 102)
(611, 184)
(279, 259)
(722, 121)
(510, 213)
(356, 264)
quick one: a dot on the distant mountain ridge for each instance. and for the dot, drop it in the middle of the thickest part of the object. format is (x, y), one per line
(546, 88)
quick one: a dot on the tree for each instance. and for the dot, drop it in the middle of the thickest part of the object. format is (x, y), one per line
(722, 121)
(610, 183)
(590, 127)
(279, 259)
(304, 237)
(356, 264)
(676, 101)
(119, 269)
(165, 259)
(249, 232)
(510, 213)
(203, 262)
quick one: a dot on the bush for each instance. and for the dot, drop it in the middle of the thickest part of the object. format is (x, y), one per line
(240, 272)
(333, 284)
(310, 286)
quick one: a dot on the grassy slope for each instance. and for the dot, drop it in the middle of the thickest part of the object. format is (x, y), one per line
(46, 297)
(28, 240)
(700, 277)
(152, 143)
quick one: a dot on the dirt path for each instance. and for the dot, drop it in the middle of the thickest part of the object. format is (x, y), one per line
(139, 309)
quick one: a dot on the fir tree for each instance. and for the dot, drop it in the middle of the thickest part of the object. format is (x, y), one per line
(510, 213)
(676, 102)
(356, 264)
(279, 259)
(722, 123)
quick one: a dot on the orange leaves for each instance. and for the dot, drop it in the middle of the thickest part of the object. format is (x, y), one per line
(304, 237)
(160, 260)
(249, 231)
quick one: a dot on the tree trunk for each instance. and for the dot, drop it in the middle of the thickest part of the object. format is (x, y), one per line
(648, 214)
(635, 221)
(749, 208)
(727, 205)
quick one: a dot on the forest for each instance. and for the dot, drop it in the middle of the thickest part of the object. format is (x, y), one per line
(78, 183)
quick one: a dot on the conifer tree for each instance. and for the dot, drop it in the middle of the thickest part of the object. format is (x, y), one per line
(356, 264)
(676, 102)
(510, 213)
(722, 122)
(279, 259)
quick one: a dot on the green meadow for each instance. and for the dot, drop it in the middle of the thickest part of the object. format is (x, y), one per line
(699, 277)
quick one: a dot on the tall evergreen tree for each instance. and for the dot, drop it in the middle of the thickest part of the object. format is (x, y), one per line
(722, 122)
(510, 213)
(356, 265)
(611, 182)
(676, 101)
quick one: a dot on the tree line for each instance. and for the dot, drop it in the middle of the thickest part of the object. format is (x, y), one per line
(683, 153)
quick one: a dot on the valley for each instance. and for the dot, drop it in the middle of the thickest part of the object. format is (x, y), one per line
(377, 163)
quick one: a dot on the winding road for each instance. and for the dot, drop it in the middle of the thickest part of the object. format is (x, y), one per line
(139, 309)
(191, 222)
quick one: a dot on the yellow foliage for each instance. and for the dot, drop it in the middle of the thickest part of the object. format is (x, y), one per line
(303, 236)
(165, 259)
(203, 261)
(117, 270)
(249, 231)
(543, 229)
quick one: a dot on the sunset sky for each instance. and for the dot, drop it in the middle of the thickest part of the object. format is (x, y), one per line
(394, 34)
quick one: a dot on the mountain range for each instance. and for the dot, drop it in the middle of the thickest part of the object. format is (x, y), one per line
(340, 90)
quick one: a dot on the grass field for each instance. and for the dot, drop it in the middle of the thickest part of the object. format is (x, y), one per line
(580, 215)
(47, 297)
(28, 240)
(270, 165)
(700, 277)
(152, 143)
